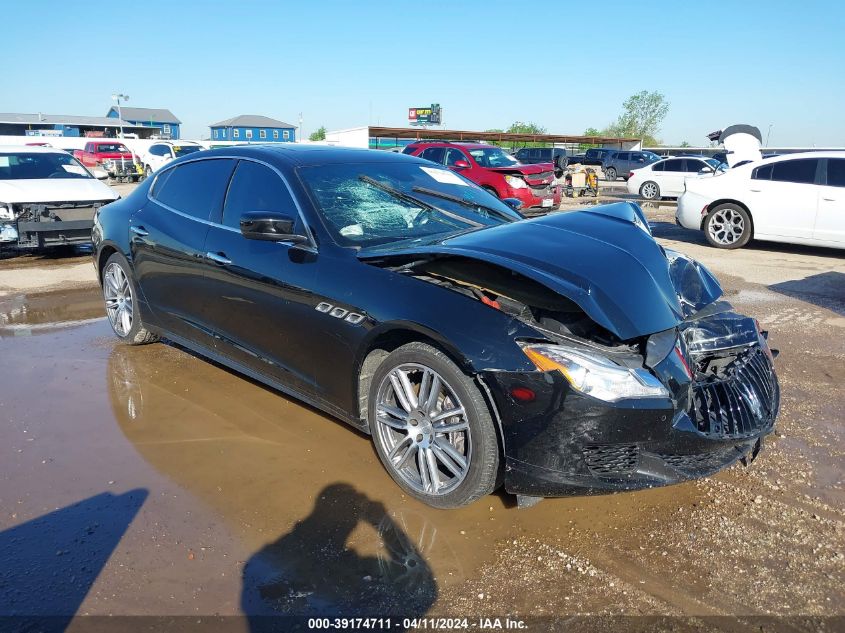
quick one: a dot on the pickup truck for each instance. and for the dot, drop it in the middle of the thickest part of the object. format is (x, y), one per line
(113, 156)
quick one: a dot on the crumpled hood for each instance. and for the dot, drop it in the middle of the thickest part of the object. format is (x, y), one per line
(55, 190)
(602, 258)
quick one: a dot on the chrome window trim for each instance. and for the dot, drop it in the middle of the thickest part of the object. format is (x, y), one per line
(313, 242)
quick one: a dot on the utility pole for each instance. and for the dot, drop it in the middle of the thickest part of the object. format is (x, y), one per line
(118, 97)
(301, 132)
(768, 134)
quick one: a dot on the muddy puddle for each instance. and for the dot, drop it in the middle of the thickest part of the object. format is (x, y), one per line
(232, 498)
(21, 315)
(314, 520)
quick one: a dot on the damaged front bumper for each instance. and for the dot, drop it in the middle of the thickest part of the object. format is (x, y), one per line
(724, 400)
(42, 225)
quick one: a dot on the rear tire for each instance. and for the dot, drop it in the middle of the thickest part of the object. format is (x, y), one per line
(120, 296)
(610, 174)
(728, 226)
(650, 190)
(442, 468)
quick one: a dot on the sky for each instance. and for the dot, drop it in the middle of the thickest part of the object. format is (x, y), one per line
(563, 65)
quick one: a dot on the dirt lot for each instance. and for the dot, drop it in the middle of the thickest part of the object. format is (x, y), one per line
(148, 481)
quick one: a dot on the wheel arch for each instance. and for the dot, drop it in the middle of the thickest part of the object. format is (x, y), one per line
(721, 201)
(382, 341)
(106, 250)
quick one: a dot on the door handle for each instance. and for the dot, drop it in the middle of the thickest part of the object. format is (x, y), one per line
(829, 199)
(139, 230)
(756, 190)
(218, 258)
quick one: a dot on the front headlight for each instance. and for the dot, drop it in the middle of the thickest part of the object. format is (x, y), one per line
(516, 182)
(6, 212)
(595, 375)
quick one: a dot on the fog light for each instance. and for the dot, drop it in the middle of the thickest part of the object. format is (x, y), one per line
(8, 233)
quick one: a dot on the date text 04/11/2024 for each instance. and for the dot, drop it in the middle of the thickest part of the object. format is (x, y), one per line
(432, 623)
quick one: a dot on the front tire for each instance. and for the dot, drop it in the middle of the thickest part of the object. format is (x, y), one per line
(728, 226)
(650, 190)
(120, 297)
(444, 460)
(490, 190)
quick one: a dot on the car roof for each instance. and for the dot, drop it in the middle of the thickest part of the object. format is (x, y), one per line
(820, 154)
(304, 155)
(31, 149)
(467, 144)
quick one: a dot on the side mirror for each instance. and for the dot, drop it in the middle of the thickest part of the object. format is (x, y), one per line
(100, 174)
(706, 170)
(513, 203)
(270, 227)
(460, 164)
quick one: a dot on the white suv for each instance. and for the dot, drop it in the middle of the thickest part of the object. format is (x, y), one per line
(161, 153)
(796, 198)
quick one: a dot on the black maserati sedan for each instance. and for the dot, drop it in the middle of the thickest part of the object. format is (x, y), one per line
(565, 354)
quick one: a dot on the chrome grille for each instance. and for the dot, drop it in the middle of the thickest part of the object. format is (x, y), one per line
(742, 402)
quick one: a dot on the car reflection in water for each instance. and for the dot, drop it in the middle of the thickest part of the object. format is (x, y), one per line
(349, 555)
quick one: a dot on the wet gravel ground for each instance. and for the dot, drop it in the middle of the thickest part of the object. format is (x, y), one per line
(149, 481)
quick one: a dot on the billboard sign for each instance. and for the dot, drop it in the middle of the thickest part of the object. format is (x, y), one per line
(430, 115)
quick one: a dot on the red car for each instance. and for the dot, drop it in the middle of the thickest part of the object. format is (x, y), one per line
(494, 170)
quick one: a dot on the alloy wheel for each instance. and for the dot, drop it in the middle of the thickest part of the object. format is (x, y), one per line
(117, 293)
(649, 191)
(726, 226)
(423, 429)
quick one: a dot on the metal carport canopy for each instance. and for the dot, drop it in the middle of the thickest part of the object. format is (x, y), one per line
(466, 135)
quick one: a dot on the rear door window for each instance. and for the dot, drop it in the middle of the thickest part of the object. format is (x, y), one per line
(836, 172)
(621, 156)
(255, 187)
(802, 170)
(434, 154)
(675, 164)
(693, 166)
(762, 173)
(196, 188)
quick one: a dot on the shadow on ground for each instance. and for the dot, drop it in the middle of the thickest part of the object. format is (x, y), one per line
(48, 564)
(826, 290)
(310, 570)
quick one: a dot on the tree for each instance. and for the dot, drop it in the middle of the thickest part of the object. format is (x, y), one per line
(641, 117)
(518, 127)
(590, 131)
(685, 144)
(319, 134)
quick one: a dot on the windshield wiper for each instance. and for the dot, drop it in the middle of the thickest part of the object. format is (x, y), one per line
(461, 201)
(401, 195)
